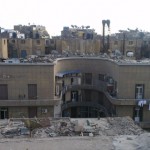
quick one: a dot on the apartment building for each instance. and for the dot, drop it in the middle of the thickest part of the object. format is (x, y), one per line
(92, 87)
(76, 87)
(20, 48)
(27, 90)
(3, 48)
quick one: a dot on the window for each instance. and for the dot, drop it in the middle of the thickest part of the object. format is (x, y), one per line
(32, 91)
(3, 113)
(116, 43)
(13, 41)
(101, 77)
(47, 42)
(52, 41)
(38, 42)
(22, 41)
(88, 78)
(88, 95)
(139, 91)
(130, 42)
(3, 92)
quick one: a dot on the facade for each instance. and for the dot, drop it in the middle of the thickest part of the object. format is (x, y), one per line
(76, 87)
(32, 31)
(21, 48)
(78, 46)
(94, 87)
(27, 90)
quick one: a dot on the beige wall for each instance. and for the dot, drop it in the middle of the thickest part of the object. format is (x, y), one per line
(18, 112)
(23, 74)
(78, 45)
(134, 47)
(130, 75)
(124, 111)
(32, 46)
(3, 48)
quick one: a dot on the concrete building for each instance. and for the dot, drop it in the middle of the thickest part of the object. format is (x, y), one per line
(3, 48)
(27, 90)
(23, 47)
(32, 31)
(76, 87)
(78, 46)
(94, 86)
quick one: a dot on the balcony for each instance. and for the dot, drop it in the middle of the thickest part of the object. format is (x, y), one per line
(96, 85)
(70, 104)
(43, 102)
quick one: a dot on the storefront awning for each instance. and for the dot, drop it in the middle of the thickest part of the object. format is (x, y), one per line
(61, 74)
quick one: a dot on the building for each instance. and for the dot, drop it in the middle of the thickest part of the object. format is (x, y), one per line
(98, 86)
(3, 48)
(21, 48)
(27, 90)
(32, 31)
(76, 87)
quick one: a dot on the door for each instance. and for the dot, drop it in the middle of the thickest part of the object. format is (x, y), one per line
(74, 96)
(139, 91)
(32, 112)
(4, 113)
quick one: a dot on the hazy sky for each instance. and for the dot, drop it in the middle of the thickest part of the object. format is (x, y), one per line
(54, 14)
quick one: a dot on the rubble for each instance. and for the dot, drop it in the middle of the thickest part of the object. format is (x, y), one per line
(54, 127)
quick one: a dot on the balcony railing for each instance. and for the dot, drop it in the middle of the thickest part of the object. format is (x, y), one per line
(98, 107)
(96, 85)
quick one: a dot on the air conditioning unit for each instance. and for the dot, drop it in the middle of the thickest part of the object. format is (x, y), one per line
(44, 111)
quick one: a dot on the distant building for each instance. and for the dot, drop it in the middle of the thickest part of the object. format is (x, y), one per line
(83, 32)
(3, 48)
(32, 31)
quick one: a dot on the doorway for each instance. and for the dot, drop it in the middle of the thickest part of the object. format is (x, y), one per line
(32, 112)
(3, 113)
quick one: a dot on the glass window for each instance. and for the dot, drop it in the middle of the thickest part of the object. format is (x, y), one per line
(139, 91)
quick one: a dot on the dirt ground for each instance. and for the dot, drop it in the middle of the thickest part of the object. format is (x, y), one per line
(123, 142)
(61, 143)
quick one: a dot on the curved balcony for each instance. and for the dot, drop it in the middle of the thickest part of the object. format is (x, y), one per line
(99, 107)
(96, 85)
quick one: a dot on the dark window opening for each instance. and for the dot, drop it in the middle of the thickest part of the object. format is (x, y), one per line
(32, 91)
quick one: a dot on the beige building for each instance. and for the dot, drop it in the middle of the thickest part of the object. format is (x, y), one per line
(3, 48)
(125, 46)
(27, 90)
(85, 86)
(24, 47)
(78, 46)
(95, 86)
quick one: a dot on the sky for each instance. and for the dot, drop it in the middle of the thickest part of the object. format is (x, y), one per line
(55, 14)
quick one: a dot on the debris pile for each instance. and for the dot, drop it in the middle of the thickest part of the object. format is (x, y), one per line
(124, 126)
(54, 127)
